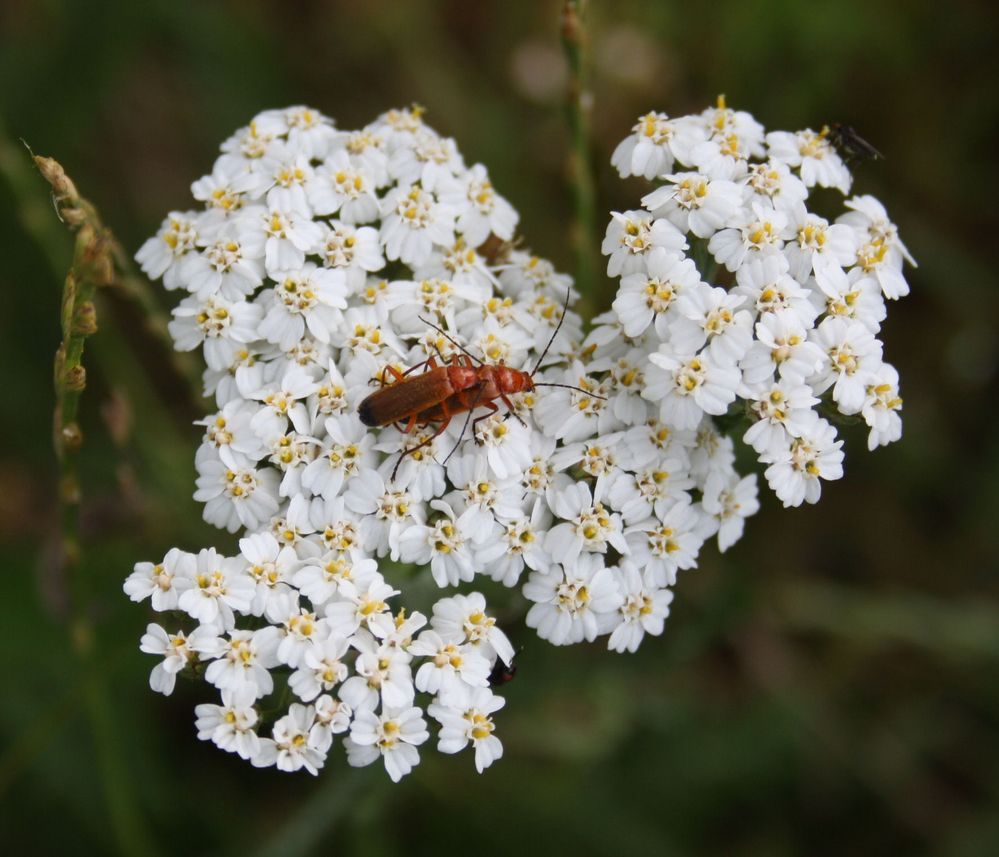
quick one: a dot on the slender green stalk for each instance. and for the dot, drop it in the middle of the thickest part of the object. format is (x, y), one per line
(584, 234)
(92, 268)
(127, 282)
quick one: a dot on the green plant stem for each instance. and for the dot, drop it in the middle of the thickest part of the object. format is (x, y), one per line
(92, 269)
(127, 280)
(584, 235)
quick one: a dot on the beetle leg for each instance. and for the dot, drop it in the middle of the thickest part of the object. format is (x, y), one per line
(464, 428)
(475, 423)
(426, 442)
(512, 410)
(395, 374)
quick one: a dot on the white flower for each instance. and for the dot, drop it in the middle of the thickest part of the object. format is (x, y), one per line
(284, 402)
(733, 137)
(649, 295)
(851, 296)
(234, 497)
(289, 233)
(308, 297)
(163, 254)
(881, 252)
(308, 130)
(814, 155)
(360, 605)
(269, 565)
(853, 354)
(225, 191)
(588, 526)
(241, 661)
(756, 230)
(299, 628)
(712, 318)
(296, 743)
(506, 444)
(230, 433)
(484, 212)
(643, 610)
(412, 222)
(463, 617)
(174, 650)
(729, 500)
(321, 578)
(573, 415)
(383, 675)
(798, 466)
(394, 735)
(519, 544)
(650, 490)
(231, 265)
(387, 514)
(216, 588)
(773, 182)
(631, 236)
(445, 544)
(769, 288)
(345, 188)
(817, 246)
(480, 491)
(332, 715)
(157, 580)
(780, 409)
(219, 325)
(449, 666)
(353, 250)
(321, 668)
(427, 158)
(656, 143)
(665, 544)
(688, 387)
(695, 203)
(466, 717)
(781, 346)
(231, 725)
(881, 406)
(346, 453)
(574, 601)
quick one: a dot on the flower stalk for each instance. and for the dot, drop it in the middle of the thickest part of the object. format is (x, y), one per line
(579, 102)
(92, 269)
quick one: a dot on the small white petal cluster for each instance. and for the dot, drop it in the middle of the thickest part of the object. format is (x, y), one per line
(323, 264)
(739, 303)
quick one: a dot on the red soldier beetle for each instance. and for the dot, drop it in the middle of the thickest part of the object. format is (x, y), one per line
(457, 386)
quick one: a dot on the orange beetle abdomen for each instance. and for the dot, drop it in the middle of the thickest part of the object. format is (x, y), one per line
(399, 401)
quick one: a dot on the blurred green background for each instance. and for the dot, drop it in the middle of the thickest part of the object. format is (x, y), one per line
(827, 687)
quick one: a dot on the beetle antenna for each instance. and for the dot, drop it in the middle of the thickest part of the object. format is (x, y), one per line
(570, 387)
(450, 339)
(565, 309)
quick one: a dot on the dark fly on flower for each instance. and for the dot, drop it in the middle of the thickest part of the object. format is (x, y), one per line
(502, 673)
(849, 143)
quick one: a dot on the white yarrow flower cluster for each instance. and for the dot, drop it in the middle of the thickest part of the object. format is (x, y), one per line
(738, 302)
(324, 264)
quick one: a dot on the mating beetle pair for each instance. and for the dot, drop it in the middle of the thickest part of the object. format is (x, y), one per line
(441, 391)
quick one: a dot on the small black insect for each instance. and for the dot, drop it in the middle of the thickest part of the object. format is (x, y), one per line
(502, 673)
(850, 144)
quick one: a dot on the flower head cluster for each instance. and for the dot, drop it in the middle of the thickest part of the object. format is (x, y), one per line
(738, 300)
(323, 265)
